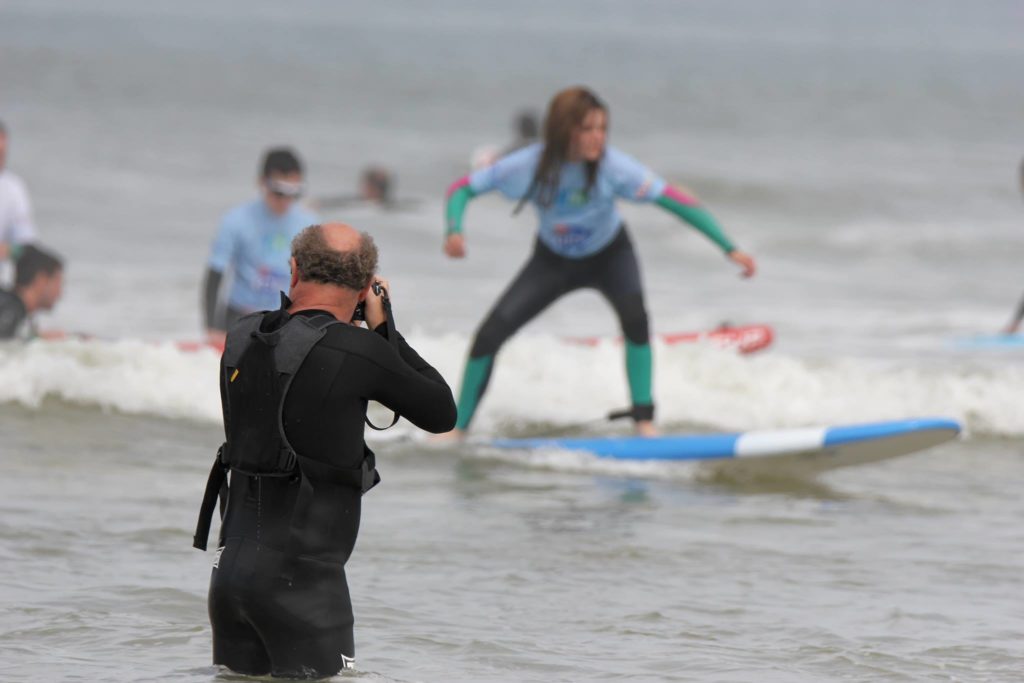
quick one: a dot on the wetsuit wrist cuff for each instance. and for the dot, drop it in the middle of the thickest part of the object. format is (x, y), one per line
(643, 412)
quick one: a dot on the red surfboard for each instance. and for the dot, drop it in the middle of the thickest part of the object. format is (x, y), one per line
(744, 338)
(193, 346)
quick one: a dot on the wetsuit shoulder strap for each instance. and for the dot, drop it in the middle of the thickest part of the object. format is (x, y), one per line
(239, 337)
(294, 342)
(238, 340)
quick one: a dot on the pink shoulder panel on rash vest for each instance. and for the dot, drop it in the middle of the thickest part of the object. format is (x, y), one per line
(680, 196)
(457, 185)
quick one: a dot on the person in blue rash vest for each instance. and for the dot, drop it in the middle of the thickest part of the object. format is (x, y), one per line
(252, 244)
(573, 179)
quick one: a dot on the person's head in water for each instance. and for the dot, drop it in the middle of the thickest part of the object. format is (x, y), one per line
(281, 179)
(376, 185)
(526, 126)
(38, 278)
(575, 130)
(334, 255)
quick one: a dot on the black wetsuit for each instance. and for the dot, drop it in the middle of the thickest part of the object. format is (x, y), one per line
(279, 600)
(14, 320)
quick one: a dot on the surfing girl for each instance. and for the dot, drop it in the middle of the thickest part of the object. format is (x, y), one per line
(573, 179)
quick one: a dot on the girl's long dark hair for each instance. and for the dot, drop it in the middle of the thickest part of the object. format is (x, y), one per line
(565, 114)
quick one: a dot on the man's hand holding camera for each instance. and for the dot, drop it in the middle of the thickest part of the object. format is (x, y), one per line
(374, 310)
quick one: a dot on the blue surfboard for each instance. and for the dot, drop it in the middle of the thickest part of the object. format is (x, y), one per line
(991, 341)
(828, 447)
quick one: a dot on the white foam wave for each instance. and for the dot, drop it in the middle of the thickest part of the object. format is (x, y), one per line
(539, 379)
(129, 376)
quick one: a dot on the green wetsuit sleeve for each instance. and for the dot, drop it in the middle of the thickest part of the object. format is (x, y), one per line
(687, 208)
(459, 195)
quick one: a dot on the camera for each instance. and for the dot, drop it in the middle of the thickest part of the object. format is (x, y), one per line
(360, 312)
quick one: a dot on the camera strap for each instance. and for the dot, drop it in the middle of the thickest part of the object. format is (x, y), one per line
(393, 338)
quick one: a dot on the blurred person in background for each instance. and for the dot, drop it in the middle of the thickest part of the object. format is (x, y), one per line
(38, 283)
(573, 179)
(376, 188)
(253, 245)
(16, 225)
(526, 129)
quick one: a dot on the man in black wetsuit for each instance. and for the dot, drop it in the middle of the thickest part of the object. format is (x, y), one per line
(294, 388)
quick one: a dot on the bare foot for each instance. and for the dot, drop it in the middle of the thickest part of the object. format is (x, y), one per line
(646, 428)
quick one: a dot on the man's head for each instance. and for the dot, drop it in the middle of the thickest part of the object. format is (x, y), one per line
(38, 278)
(334, 254)
(3, 145)
(281, 179)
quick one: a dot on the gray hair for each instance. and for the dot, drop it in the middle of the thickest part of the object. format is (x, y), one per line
(317, 262)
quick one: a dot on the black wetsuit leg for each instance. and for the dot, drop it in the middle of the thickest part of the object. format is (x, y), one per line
(540, 282)
(263, 622)
(615, 273)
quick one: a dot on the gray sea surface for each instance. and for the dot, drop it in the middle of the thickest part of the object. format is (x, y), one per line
(471, 568)
(866, 153)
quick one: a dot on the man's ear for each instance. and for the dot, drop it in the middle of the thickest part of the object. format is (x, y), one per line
(365, 291)
(295, 272)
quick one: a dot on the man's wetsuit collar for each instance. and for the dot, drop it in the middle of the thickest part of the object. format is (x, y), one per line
(286, 303)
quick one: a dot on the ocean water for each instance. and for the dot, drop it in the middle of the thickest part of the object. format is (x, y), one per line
(866, 153)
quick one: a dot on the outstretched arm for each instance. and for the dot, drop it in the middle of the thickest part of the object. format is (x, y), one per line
(459, 194)
(687, 208)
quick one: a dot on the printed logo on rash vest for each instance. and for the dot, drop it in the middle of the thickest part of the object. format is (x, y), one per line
(276, 249)
(577, 198)
(570, 197)
(571, 237)
(272, 279)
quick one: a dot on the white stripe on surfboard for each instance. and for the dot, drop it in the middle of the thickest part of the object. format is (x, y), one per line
(772, 442)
